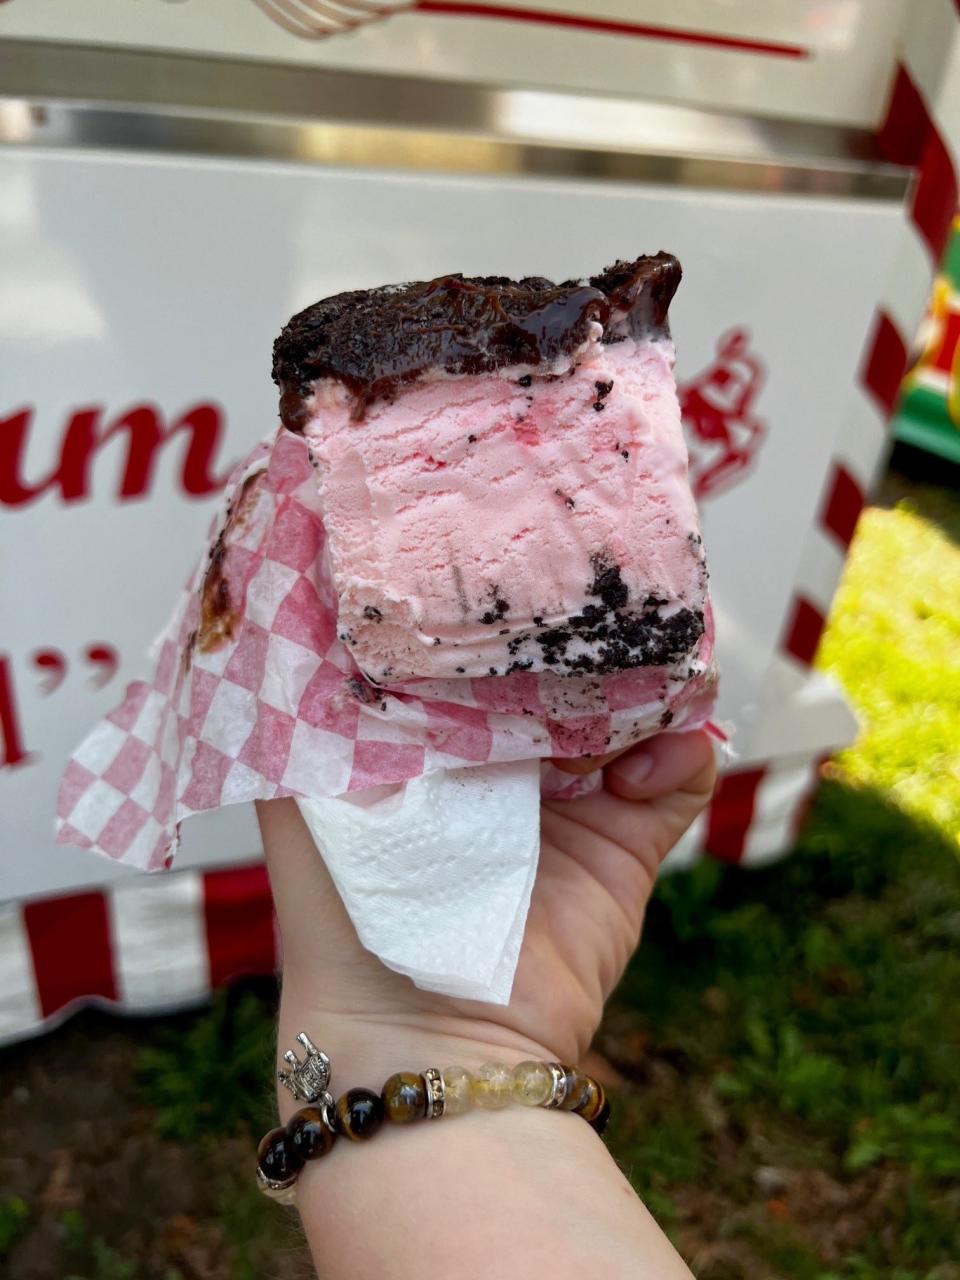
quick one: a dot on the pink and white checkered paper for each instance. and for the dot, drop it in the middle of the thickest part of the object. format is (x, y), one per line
(254, 697)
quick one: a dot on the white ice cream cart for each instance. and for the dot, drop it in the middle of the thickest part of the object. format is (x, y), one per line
(178, 176)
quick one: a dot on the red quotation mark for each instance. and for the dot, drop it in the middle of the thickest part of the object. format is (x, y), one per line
(106, 658)
(52, 665)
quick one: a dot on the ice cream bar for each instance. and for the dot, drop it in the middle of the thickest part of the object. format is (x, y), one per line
(474, 546)
(502, 474)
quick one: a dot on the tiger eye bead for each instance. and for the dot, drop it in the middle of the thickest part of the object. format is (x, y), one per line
(599, 1123)
(577, 1093)
(492, 1085)
(276, 1159)
(359, 1114)
(531, 1084)
(404, 1098)
(593, 1105)
(307, 1136)
(457, 1091)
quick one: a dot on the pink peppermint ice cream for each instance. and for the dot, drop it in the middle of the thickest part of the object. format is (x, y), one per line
(503, 478)
(473, 544)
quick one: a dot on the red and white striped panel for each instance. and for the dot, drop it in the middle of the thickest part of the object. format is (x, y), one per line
(756, 814)
(150, 945)
(138, 946)
(921, 129)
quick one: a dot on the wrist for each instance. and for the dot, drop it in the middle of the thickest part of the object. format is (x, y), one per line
(507, 1188)
(365, 1049)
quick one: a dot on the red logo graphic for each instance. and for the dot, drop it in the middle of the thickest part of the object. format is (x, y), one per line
(723, 436)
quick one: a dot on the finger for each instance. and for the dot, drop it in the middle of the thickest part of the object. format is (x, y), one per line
(670, 762)
(673, 778)
(584, 764)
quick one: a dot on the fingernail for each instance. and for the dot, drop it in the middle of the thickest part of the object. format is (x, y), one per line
(635, 766)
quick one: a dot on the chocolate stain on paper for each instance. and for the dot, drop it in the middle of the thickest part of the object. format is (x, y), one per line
(219, 611)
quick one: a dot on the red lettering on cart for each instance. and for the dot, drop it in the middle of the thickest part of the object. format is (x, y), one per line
(85, 435)
(12, 750)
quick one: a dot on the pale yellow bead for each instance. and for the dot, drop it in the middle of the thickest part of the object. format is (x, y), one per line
(532, 1083)
(457, 1090)
(492, 1085)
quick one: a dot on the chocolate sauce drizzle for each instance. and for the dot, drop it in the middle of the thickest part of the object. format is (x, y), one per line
(375, 341)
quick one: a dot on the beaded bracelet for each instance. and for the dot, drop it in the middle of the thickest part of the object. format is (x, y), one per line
(404, 1099)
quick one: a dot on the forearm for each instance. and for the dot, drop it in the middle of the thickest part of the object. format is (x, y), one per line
(519, 1192)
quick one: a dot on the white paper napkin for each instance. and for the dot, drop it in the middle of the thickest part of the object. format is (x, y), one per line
(436, 874)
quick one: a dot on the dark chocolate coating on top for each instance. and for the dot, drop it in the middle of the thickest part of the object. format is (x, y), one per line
(640, 294)
(376, 340)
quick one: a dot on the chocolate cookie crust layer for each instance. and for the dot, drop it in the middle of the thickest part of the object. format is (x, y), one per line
(374, 341)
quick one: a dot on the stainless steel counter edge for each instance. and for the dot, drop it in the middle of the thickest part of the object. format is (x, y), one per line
(69, 96)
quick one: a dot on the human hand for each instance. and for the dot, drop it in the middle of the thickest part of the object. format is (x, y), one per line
(598, 861)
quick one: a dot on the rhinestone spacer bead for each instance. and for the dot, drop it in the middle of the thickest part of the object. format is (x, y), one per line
(558, 1088)
(433, 1079)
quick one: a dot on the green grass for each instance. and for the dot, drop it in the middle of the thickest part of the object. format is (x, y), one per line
(92, 1258)
(791, 1036)
(894, 642)
(215, 1077)
(14, 1216)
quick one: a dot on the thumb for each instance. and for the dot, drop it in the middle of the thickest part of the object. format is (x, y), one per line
(668, 763)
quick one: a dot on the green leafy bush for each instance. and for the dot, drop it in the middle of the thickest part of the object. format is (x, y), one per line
(217, 1076)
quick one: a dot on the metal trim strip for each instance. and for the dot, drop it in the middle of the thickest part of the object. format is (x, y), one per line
(72, 96)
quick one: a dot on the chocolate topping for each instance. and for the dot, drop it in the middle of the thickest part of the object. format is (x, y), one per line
(640, 294)
(375, 341)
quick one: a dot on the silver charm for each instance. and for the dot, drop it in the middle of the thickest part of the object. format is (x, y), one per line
(435, 1094)
(307, 1080)
(558, 1089)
